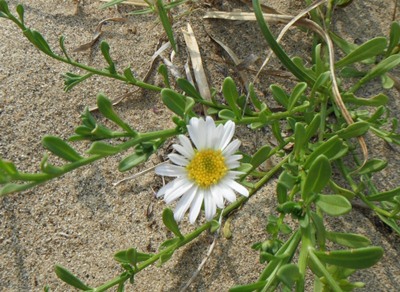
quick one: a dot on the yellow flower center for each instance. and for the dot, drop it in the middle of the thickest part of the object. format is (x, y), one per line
(207, 167)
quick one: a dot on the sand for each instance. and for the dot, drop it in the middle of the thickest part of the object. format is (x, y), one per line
(80, 220)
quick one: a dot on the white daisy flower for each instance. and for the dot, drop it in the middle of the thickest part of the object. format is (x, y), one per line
(204, 173)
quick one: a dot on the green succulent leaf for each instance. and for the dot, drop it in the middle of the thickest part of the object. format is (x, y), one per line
(132, 160)
(261, 156)
(334, 205)
(105, 50)
(102, 148)
(289, 274)
(170, 223)
(70, 278)
(174, 101)
(367, 50)
(354, 130)
(385, 196)
(373, 165)
(348, 239)
(231, 95)
(360, 258)
(377, 100)
(249, 287)
(106, 108)
(60, 148)
(333, 148)
(296, 94)
(188, 88)
(394, 38)
(317, 176)
(131, 256)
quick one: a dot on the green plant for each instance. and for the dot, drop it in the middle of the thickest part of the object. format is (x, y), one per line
(326, 126)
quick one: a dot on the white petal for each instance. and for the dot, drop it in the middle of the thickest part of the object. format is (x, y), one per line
(187, 145)
(179, 189)
(170, 170)
(171, 186)
(210, 133)
(166, 187)
(229, 195)
(182, 150)
(196, 205)
(233, 158)
(184, 203)
(232, 165)
(209, 205)
(237, 187)
(218, 133)
(197, 133)
(231, 148)
(178, 159)
(232, 174)
(229, 130)
(217, 193)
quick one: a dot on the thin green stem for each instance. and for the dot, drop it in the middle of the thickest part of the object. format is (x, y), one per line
(122, 278)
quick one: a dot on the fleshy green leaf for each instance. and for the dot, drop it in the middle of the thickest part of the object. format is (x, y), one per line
(384, 66)
(318, 176)
(106, 108)
(394, 37)
(373, 165)
(280, 95)
(105, 50)
(214, 226)
(165, 257)
(70, 278)
(385, 196)
(188, 88)
(260, 156)
(129, 75)
(296, 94)
(367, 50)
(174, 101)
(354, 130)
(312, 128)
(46, 167)
(333, 148)
(289, 274)
(360, 258)
(299, 139)
(102, 148)
(226, 114)
(348, 239)
(231, 95)
(249, 287)
(132, 160)
(334, 205)
(60, 148)
(170, 223)
(377, 100)
(125, 256)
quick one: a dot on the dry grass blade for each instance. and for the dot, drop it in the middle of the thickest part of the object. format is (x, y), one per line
(98, 32)
(234, 58)
(131, 2)
(248, 16)
(197, 64)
